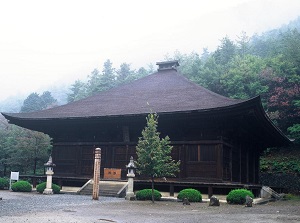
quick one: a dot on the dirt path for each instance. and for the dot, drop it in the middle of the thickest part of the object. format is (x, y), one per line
(36, 208)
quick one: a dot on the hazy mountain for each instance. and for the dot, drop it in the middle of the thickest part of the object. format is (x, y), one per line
(14, 103)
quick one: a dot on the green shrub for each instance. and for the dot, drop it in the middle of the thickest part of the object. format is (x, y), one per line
(4, 183)
(238, 196)
(146, 194)
(21, 186)
(291, 197)
(192, 195)
(41, 187)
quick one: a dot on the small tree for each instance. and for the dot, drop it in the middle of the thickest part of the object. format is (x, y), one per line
(153, 153)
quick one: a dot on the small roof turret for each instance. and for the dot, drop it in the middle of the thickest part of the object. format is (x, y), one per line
(168, 65)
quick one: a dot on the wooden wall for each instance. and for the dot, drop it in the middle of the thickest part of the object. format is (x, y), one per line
(201, 161)
(209, 148)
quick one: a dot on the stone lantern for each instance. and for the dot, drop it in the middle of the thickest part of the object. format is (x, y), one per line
(49, 172)
(130, 175)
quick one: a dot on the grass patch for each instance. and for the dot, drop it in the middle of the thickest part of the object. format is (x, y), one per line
(292, 197)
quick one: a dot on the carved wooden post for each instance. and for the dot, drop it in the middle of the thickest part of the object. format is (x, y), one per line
(97, 165)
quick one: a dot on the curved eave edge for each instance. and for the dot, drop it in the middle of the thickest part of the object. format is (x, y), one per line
(254, 102)
(272, 126)
(12, 118)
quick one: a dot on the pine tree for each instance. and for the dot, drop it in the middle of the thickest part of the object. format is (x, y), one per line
(154, 159)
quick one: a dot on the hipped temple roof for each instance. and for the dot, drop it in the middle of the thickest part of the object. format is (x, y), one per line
(163, 92)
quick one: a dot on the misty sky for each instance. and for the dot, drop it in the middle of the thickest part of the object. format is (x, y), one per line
(44, 43)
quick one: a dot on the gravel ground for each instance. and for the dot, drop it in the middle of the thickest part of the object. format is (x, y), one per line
(38, 208)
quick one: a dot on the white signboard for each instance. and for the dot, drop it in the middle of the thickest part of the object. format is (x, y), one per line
(14, 175)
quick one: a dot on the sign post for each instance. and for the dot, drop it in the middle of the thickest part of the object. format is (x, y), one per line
(97, 165)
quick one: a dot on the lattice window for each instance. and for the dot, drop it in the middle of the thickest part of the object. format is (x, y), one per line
(200, 153)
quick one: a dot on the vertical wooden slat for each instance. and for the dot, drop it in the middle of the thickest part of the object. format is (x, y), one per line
(240, 148)
(171, 190)
(126, 156)
(111, 156)
(210, 191)
(180, 158)
(254, 166)
(220, 161)
(247, 165)
(230, 163)
(184, 160)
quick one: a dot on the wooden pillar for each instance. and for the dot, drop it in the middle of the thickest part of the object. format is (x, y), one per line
(230, 164)
(60, 183)
(126, 155)
(240, 148)
(97, 165)
(210, 191)
(171, 190)
(34, 182)
(253, 167)
(247, 165)
(180, 158)
(257, 167)
(111, 152)
(220, 161)
(241, 161)
(184, 161)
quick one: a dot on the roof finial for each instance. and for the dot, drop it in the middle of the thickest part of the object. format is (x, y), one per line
(168, 65)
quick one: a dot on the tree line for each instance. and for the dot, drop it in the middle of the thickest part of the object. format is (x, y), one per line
(108, 78)
(23, 150)
(241, 69)
(267, 65)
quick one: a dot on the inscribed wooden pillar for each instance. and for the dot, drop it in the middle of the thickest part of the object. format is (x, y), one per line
(97, 165)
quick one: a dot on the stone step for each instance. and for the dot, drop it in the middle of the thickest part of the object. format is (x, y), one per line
(267, 192)
(106, 188)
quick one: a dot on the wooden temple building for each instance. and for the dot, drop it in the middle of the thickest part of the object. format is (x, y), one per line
(217, 139)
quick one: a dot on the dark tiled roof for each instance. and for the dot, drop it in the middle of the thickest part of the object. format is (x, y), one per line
(164, 91)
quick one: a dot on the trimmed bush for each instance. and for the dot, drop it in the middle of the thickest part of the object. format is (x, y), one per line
(238, 196)
(192, 195)
(4, 183)
(146, 194)
(21, 186)
(41, 187)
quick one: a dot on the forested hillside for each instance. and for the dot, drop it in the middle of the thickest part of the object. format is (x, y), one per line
(267, 65)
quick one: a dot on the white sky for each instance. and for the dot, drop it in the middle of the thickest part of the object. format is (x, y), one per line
(45, 42)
